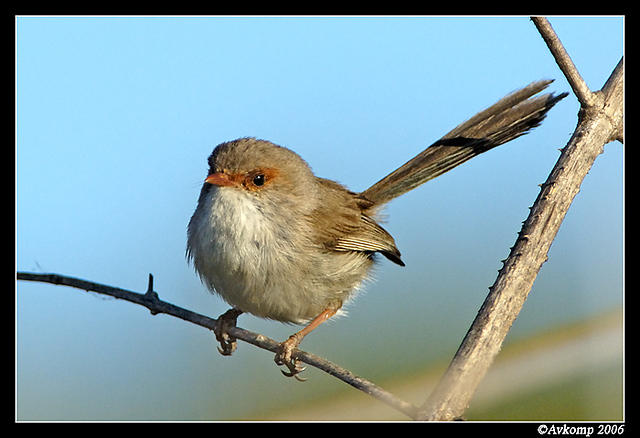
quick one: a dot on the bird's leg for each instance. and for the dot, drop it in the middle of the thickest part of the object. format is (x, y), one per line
(285, 349)
(226, 321)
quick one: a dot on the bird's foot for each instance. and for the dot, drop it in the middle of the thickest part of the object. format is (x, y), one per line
(226, 321)
(284, 356)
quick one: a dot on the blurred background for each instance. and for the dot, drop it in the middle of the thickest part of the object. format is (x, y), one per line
(116, 117)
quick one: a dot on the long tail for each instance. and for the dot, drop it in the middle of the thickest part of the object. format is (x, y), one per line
(514, 115)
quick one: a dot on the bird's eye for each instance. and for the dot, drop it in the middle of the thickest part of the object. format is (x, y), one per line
(259, 179)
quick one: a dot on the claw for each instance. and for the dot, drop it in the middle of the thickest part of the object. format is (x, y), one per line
(284, 357)
(285, 349)
(295, 375)
(226, 321)
(227, 347)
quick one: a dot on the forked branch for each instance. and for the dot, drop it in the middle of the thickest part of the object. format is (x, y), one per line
(601, 121)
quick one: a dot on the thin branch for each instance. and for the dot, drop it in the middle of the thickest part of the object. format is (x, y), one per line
(151, 301)
(601, 121)
(580, 88)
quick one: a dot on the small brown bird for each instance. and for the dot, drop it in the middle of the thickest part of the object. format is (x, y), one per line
(278, 242)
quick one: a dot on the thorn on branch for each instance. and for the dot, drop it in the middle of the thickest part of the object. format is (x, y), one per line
(151, 295)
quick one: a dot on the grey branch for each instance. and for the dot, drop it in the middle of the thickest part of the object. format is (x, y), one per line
(578, 85)
(600, 121)
(150, 300)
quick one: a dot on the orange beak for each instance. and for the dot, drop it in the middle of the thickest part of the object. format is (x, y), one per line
(220, 179)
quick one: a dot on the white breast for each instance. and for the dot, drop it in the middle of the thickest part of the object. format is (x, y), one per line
(241, 254)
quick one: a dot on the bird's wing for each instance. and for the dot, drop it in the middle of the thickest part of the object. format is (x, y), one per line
(343, 225)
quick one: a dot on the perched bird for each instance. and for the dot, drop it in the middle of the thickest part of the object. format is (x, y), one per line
(274, 240)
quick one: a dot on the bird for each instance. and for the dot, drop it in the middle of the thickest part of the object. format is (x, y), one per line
(276, 241)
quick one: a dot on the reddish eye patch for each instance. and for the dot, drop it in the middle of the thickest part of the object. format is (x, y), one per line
(259, 178)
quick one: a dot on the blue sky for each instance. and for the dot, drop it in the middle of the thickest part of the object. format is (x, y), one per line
(117, 115)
